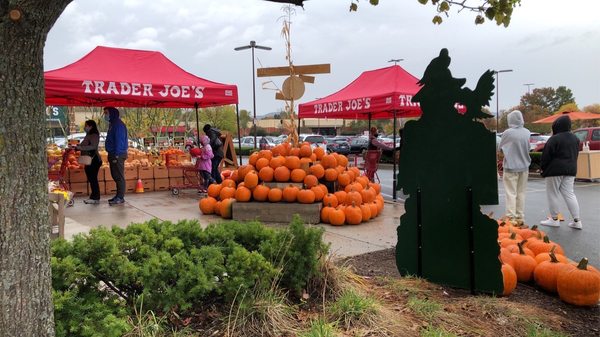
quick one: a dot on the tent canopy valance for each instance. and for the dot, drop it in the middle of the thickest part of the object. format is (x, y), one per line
(132, 78)
(375, 94)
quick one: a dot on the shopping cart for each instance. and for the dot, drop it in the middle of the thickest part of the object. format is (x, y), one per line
(371, 158)
(60, 177)
(192, 179)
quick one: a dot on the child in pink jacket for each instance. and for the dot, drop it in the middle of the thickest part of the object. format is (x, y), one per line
(203, 161)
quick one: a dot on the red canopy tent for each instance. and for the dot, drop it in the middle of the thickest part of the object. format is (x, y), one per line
(574, 115)
(375, 94)
(132, 78)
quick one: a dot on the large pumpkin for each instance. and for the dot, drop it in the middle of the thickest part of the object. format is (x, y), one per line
(243, 194)
(366, 212)
(227, 208)
(275, 194)
(214, 190)
(546, 257)
(290, 193)
(343, 179)
(317, 170)
(305, 151)
(330, 200)
(292, 162)
(282, 174)
(546, 273)
(353, 215)
(579, 286)
(251, 179)
(310, 181)
(306, 196)
(331, 174)
(328, 161)
(337, 217)
(544, 245)
(297, 175)
(368, 194)
(228, 183)
(318, 191)
(207, 205)
(524, 265)
(341, 196)
(266, 174)
(275, 162)
(261, 193)
(319, 153)
(227, 192)
(353, 198)
(509, 279)
(325, 214)
(261, 162)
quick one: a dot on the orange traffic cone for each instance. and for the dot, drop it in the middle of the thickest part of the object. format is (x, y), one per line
(139, 187)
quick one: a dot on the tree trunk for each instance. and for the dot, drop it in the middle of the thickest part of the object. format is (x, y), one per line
(25, 280)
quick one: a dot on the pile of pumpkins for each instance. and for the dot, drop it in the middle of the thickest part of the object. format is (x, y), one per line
(355, 201)
(528, 255)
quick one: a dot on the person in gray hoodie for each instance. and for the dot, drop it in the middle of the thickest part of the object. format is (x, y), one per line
(515, 147)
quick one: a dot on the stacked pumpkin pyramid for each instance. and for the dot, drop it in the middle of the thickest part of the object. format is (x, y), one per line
(307, 173)
(528, 255)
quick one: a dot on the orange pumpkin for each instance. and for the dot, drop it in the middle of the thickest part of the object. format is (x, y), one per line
(295, 152)
(292, 162)
(275, 194)
(546, 257)
(306, 196)
(298, 175)
(366, 212)
(318, 191)
(356, 171)
(374, 209)
(275, 162)
(579, 286)
(368, 194)
(331, 174)
(353, 198)
(214, 190)
(207, 205)
(266, 174)
(228, 183)
(328, 161)
(261, 162)
(227, 207)
(282, 174)
(379, 205)
(376, 187)
(261, 193)
(524, 265)
(343, 179)
(251, 179)
(276, 150)
(243, 194)
(546, 273)
(340, 196)
(356, 186)
(253, 158)
(337, 217)
(330, 200)
(325, 214)
(217, 208)
(353, 215)
(319, 153)
(267, 154)
(317, 170)
(243, 170)
(310, 181)
(226, 193)
(290, 193)
(363, 180)
(543, 246)
(509, 279)
(305, 151)
(506, 257)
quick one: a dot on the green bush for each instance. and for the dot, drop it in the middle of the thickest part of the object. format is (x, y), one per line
(174, 268)
(536, 160)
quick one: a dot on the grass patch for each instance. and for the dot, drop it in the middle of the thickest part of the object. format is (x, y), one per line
(538, 330)
(425, 308)
(432, 331)
(353, 309)
(320, 328)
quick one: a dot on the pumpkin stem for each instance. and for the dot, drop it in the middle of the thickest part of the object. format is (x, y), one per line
(521, 251)
(553, 258)
(546, 239)
(513, 235)
(583, 264)
(534, 228)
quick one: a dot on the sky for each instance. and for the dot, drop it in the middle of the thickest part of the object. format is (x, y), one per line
(549, 43)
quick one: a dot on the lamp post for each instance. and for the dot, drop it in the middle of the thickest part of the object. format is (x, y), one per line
(253, 46)
(396, 61)
(528, 85)
(497, 72)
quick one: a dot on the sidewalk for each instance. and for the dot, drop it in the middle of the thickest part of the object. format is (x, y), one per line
(377, 234)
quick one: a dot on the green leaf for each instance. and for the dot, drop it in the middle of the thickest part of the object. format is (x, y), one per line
(423, 2)
(444, 6)
(479, 20)
(353, 7)
(490, 13)
(374, 2)
(437, 20)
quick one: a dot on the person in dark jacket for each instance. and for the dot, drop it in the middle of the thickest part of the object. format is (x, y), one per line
(217, 147)
(559, 167)
(89, 146)
(116, 145)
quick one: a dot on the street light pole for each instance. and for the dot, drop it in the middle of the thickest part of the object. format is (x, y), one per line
(253, 46)
(496, 72)
(528, 85)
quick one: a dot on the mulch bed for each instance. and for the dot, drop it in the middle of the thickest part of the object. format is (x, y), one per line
(578, 321)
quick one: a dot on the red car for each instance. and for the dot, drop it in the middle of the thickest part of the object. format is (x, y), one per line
(591, 135)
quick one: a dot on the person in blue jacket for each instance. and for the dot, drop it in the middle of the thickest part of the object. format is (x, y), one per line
(116, 145)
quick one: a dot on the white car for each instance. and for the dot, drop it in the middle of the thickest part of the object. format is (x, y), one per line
(314, 140)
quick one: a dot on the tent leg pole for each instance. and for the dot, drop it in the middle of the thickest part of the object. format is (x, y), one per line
(239, 135)
(394, 193)
(197, 125)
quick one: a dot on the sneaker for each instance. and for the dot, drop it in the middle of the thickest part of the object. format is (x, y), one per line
(576, 224)
(550, 222)
(112, 199)
(116, 201)
(91, 201)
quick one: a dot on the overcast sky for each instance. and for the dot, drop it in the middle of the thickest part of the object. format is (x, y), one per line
(549, 42)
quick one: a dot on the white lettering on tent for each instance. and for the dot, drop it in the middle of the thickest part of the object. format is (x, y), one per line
(112, 87)
(88, 86)
(406, 100)
(148, 89)
(175, 91)
(135, 89)
(198, 92)
(98, 87)
(125, 88)
(358, 104)
(165, 92)
(185, 91)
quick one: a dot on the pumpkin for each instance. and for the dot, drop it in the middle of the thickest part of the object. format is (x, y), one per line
(251, 179)
(356, 186)
(343, 179)
(579, 286)
(275, 162)
(290, 193)
(325, 213)
(515, 249)
(214, 190)
(331, 174)
(374, 209)
(337, 217)
(253, 158)
(330, 200)
(207, 205)
(342, 160)
(276, 150)
(243, 170)
(509, 279)
(234, 176)
(228, 183)
(368, 194)
(350, 173)
(363, 180)
(306, 196)
(227, 192)
(544, 245)
(261, 193)
(305, 151)
(319, 153)
(227, 208)
(286, 149)
(275, 194)
(506, 257)
(340, 196)
(243, 194)
(340, 169)
(266, 174)
(267, 154)
(526, 233)
(292, 162)
(310, 181)
(317, 170)
(545, 274)
(379, 205)
(261, 162)
(298, 175)
(353, 198)
(295, 152)
(328, 161)
(366, 212)
(217, 208)
(546, 257)
(282, 174)
(511, 240)
(353, 215)
(524, 265)
(376, 187)
(318, 191)
(356, 171)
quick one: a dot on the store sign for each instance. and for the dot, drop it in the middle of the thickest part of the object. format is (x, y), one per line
(142, 89)
(58, 112)
(349, 105)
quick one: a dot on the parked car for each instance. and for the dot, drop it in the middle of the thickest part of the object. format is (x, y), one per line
(338, 145)
(359, 144)
(314, 140)
(591, 135)
(537, 139)
(77, 138)
(248, 142)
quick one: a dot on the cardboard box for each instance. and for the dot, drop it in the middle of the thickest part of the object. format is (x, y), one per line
(145, 173)
(77, 176)
(184, 157)
(102, 186)
(107, 174)
(110, 187)
(175, 172)
(130, 185)
(79, 188)
(161, 172)
(175, 181)
(131, 173)
(101, 174)
(148, 185)
(161, 184)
